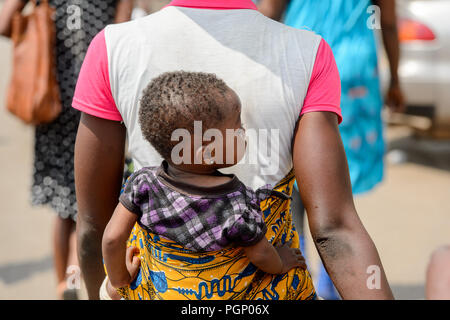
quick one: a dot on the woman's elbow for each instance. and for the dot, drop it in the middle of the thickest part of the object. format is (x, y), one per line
(328, 223)
(325, 225)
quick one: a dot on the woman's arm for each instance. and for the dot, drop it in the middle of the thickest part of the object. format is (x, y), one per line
(388, 20)
(343, 243)
(123, 10)
(10, 7)
(273, 8)
(274, 260)
(99, 159)
(114, 246)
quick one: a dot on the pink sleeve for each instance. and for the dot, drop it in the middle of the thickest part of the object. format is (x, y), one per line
(324, 91)
(93, 91)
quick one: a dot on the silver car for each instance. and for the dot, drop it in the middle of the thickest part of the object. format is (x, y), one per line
(424, 32)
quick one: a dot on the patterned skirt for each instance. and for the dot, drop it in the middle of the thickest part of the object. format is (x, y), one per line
(53, 172)
(169, 272)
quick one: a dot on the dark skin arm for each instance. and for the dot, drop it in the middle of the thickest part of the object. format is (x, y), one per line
(122, 265)
(388, 21)
(9, 8)
(344, 245)
(99, 162)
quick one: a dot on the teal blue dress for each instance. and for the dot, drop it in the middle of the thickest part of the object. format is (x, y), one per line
(344, 25)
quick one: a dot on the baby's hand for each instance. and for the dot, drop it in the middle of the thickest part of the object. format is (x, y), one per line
(132, 261)
(290, 257)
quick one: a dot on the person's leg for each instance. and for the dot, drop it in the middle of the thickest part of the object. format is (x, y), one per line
(438, 275)
(63, 228)
(73, 271)
(72, 259)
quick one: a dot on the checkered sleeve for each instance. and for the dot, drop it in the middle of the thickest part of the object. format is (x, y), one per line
(248, 229)
(135, 193)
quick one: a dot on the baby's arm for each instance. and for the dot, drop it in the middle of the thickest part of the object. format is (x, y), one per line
(274, 260)
(114, 247)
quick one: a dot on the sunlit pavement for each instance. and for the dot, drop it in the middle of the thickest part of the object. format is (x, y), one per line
(408, 215)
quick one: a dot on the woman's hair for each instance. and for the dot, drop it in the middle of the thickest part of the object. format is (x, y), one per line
(174, 100)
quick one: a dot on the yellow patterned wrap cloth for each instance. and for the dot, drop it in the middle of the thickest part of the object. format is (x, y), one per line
(169, 272)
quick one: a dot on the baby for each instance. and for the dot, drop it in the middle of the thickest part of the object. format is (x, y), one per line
(187, 199)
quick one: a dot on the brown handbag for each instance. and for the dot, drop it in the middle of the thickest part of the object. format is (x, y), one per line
(33, 93)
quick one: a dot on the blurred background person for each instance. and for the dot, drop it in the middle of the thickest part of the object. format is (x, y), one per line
(141, 9)
(77, 22)
(145, 7)
(348, 26)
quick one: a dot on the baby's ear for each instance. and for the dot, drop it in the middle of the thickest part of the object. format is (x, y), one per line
(203, 155)
(198, 156)
(207, 154)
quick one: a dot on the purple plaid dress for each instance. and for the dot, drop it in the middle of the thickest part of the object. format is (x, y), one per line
(200, 219)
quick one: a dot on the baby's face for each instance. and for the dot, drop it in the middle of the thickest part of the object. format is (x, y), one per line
(229, 149)
(222, 145)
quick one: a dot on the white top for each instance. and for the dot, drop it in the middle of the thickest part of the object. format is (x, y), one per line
(269, 65)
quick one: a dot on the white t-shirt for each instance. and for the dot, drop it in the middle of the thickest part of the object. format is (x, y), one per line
(277, 71)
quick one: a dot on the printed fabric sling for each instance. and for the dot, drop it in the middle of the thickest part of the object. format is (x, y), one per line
(169, 272)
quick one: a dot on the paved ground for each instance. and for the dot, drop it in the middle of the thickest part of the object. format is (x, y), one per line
(408, 215)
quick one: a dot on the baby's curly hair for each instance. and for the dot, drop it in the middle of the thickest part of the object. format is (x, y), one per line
(175, 100)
